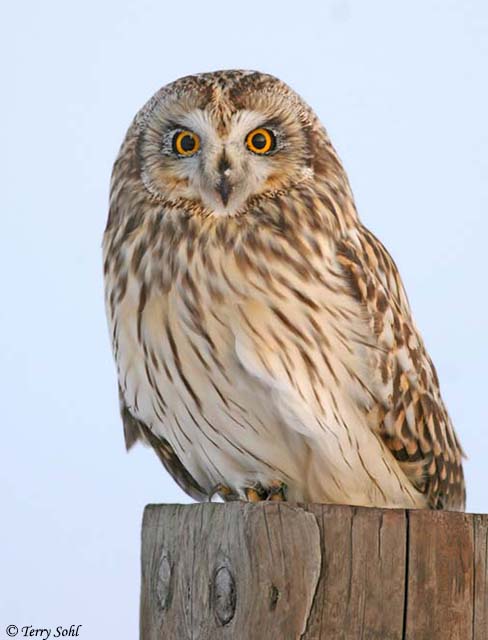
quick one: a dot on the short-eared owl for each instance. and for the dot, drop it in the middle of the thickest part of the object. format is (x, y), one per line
(264, 343)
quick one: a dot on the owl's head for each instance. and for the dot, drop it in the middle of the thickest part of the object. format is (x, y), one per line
(220, 141)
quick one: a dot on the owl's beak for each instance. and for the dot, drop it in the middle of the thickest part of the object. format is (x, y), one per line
(224, 186)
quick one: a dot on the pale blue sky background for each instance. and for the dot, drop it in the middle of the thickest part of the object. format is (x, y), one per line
(402, 89)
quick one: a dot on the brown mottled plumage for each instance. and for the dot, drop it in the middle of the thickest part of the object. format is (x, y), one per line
(264, 343)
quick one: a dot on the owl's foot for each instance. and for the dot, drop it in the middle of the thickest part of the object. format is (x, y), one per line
(225, 492)
(276, 492)
(256, 493)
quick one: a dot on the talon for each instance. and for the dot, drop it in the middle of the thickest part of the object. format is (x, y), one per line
(278, 492)
(256, 493)
(225, 492)
(252, 495)
(276, 497)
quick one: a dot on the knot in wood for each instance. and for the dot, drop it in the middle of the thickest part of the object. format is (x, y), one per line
(163, 581)
(224, 595)
(274, 596)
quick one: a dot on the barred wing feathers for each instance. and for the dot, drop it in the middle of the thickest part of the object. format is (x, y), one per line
(135, 430)
(411, 417)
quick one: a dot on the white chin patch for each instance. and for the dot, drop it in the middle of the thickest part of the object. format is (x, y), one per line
(220, 212)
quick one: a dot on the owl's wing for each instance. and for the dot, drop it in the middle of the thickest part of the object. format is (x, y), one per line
(410, 416)
(135, 430)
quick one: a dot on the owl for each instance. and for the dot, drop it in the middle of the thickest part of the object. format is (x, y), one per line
(264, 344)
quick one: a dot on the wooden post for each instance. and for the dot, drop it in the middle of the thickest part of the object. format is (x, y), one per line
(278, 571)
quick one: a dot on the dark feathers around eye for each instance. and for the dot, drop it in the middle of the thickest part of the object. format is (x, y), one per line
(171, 128)
(275, 126)
(167, 141)
(291, 137)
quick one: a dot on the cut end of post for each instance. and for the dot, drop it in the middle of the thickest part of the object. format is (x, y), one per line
(279, 570)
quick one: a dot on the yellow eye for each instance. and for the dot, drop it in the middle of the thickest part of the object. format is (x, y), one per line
(186, 143)
(261, 141)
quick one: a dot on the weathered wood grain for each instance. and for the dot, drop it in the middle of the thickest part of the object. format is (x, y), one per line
(228, 571)
(361, 587)
(480, 583)
(440, 576)
(315, 572)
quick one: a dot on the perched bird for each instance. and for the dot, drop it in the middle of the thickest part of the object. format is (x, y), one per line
(264, 343)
